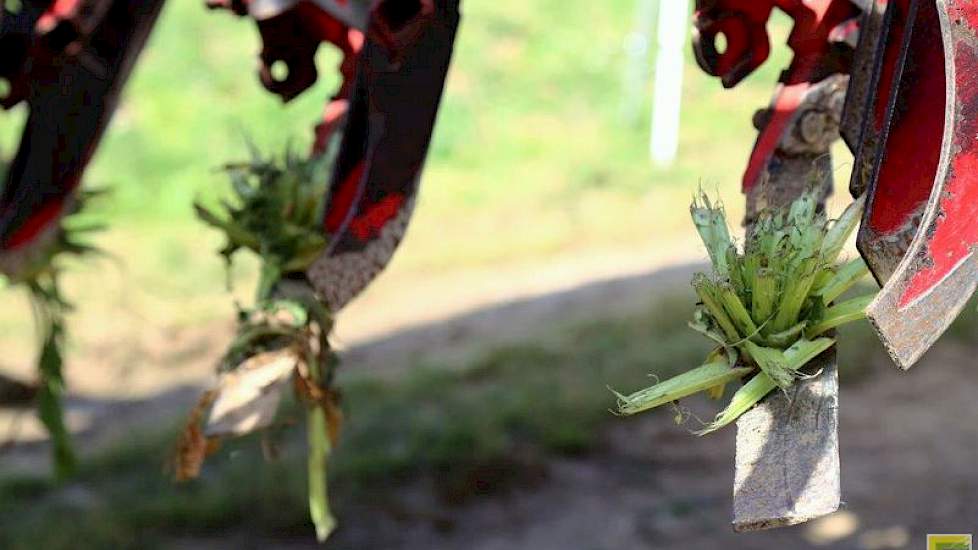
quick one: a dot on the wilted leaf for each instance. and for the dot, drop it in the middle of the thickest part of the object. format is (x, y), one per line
(193, 446)
(248, 397)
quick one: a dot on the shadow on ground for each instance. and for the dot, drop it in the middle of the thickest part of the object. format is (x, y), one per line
(493, 431)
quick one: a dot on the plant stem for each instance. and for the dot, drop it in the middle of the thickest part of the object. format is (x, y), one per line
(319, 449)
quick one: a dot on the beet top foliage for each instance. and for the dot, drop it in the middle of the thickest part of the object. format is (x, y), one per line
(770, 305)
(282, 340)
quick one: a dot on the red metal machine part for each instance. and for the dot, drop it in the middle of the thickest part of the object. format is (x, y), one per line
(395, 60)
(910, 118)
(394, 72)
(291, 33)
(920, 228)
(68, 60)
(822, 38)
(399, 85)
(909, 109)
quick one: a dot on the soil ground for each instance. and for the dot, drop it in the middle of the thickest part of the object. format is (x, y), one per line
(909, 445)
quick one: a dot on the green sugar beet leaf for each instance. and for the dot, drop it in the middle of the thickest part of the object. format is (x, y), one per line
(40, 277)
(711, 223)
(768, 303)
(275, 211)
(700, 379)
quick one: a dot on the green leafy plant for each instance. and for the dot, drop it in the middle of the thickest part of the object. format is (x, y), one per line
(769, 305)
(275, 213)
(38, 270)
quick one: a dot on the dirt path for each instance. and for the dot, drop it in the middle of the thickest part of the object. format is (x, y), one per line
(908, 469)
(909, 446)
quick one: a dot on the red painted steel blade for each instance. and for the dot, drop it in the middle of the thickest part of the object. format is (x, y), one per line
(388, 129)
(894, 166)
(922, 216)
(72, 98)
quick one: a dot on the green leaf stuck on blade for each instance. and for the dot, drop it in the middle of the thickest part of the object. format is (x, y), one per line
(840, 314)
(768, 303)
(711, 223)
(746, 397)
(694, 381)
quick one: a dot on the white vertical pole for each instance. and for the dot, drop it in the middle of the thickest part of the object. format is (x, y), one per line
(638, 47)
(668, 85)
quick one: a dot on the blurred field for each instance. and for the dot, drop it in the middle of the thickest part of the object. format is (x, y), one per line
(534, 164)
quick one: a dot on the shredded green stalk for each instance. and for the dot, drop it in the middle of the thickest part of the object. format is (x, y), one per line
(840, 231)
(736, 310)
(694, 381)
(40, 277)
(319, 449)
(803, 351)
(49, 310)
(759, 386)
(766, 303)
(711, 223)
(845, 278)
(275, 213)
(772, 363)
(765, 294)
(840, 314)
(785, 338)
(795, 294)
(707, 292)
(746, 397)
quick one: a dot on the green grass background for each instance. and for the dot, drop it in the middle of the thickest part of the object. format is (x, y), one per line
(532, 155)
(532, 151)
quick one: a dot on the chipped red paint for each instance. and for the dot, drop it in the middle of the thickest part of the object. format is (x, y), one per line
(59, 10)
(350, 43)
(786, 102)
(369, 224)
(329, 29)
(333, 117)
(955, 232)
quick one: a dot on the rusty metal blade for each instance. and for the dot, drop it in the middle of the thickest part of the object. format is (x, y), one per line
(939, 271)
(385, 142)
(788, 455)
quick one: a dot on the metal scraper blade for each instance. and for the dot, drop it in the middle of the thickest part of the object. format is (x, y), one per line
(788, 454)
(377, 172)
(920, 227)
